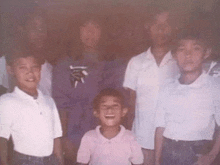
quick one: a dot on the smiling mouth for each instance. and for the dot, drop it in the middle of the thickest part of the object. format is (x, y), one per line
(109, 116)
(30, 80)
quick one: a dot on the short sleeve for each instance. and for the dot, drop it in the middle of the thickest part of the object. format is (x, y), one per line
(57, 123)
(83, 155)
(160, 110)
(136, 152)
(131, 75)
(216, 99)
(6, 119)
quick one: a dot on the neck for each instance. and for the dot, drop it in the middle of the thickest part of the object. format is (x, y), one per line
(90, 49)
(32, 93)
(110, 132)
(159, 51)
(189, 77)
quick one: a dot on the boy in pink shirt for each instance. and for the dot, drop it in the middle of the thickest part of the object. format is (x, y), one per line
(110, 143)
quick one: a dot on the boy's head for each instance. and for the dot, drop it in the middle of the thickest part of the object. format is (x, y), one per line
(25, 68)
(159, 26)
(109, 107)
(191, 49)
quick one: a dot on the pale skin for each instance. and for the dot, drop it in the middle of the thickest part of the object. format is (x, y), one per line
(189, 55)
(110, 128)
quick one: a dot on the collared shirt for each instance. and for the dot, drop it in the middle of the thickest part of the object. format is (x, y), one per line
(32, 123)
(145, 77)
(189, 112)
(123, 149)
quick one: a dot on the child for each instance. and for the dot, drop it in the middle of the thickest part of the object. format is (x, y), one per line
(110, 143)
(27, 115)
(188, 108)
(145, 75)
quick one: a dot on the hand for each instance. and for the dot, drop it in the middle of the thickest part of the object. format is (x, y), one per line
(69, 149)
(205, 159)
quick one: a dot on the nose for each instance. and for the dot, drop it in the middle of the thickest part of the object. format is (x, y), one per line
(110, 110)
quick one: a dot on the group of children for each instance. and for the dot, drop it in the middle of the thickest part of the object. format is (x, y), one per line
(177, 105)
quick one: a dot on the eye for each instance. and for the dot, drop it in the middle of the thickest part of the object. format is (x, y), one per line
(180, 49)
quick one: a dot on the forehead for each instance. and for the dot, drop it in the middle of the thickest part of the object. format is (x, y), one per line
(191, 41)
(93, 24)
(25, 60)
(162, 17)
(105, 99)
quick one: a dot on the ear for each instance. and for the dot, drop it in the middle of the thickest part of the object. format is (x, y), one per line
(124, 111)
(207, 53)
(95, 113)
(10, 70)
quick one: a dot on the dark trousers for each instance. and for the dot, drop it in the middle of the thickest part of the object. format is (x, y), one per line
(183, 152)
(21, 159)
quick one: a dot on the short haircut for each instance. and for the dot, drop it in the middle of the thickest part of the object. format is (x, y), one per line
(21, 52)
(191, 34)
(107, 92)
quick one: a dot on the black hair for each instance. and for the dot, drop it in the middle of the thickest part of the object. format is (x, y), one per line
(21, 51)
(107, 92)
(192, 34)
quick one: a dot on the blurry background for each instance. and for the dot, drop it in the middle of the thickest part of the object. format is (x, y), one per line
(124, 20)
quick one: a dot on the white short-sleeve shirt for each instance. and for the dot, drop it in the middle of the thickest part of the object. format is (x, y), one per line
(32, 123)
(145, 77)
(189, 112)
(123, 149)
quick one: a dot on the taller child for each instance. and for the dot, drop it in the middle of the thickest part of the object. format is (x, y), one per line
(145, 75)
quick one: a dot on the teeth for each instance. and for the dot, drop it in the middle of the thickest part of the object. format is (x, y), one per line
(30, 80)
(109, 115)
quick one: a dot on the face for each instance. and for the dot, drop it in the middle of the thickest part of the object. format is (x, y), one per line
(27, 73)
(90, 34)
(110, 111)
(160, 30)
(37, 32)
(190, 55)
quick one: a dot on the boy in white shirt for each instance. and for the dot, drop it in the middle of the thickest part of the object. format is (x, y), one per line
(188, 108)
(110, 143)
(27, 115)
(145, 75)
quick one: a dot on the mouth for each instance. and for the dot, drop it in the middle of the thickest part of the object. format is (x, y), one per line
(30, 80)
(109, 116)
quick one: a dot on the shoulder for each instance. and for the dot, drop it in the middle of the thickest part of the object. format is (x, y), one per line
(92, 134)
(129, 136)
(9, 101)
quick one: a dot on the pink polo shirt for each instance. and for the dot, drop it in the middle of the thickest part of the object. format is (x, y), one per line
(123, 149)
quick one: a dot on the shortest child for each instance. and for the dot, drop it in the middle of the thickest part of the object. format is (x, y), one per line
(188, 108)
(28, 116)
(110, 143)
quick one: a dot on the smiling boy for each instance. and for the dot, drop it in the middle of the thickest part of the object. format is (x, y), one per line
(27, 115)
(188, 108)
(110, 143)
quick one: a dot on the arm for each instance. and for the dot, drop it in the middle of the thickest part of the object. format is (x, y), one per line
(158, 144)
(131, 101)
(4, 151)
(58, 150)
(207, 159)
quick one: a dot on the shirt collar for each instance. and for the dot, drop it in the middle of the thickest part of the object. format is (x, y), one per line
(200, 81)
(168, 57)
(25, 95)
(117, 138)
